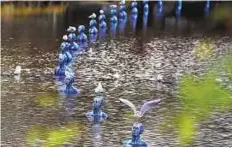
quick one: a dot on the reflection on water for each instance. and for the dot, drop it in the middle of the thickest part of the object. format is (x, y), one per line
(150, 61)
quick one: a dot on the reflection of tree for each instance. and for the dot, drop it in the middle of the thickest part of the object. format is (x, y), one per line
(52, 136)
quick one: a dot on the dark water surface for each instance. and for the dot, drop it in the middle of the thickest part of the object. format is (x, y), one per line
(32, 107)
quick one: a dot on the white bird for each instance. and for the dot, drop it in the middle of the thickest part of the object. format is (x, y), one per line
(17, 70)
(93, 16)
(113, 6)
(71, 29)
(65, 37)
(99, 88)
(146, 106)
(101, 11)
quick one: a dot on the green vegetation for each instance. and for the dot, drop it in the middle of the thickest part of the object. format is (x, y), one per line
(199, 97)
(52, 136)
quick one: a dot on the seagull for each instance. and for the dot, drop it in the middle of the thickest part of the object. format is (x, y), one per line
(17, 70)
(65, 37)
(93, 16)
(146, 106)
(99, 88)
(101, 11)
(71, 29)
(113, 6)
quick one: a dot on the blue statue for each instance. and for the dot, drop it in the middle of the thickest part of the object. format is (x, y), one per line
(145, 17)
(93, 24)
(159, 9)
(102, 20)
(207, 6)
(145, 7)
(72, 38)
(122, 11)
(70, 89)
(102, 33)
(122, 25)
(60, 71)
(82, 37)
(136, 140)
(113, 13)
(178, 8)
(96, 114)
(134, 21)
(134, 6)
(65, 50)
(93, 38)
(113, 30)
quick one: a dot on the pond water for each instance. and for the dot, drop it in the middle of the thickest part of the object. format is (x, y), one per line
(32, 111)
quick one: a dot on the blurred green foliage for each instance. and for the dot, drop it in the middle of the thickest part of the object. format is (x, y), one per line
(199, 97)
(47, 100)
(52, 136)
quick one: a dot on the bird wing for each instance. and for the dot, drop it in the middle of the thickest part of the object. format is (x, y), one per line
(132, 106)
(149, 105)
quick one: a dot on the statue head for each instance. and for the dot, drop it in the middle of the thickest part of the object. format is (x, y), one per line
(137, 129)
(98, 102)
(63, 46)
(92, 23)
(71, 37)
(134, 4)
(81, 28)
(61, 58)
(69, 78)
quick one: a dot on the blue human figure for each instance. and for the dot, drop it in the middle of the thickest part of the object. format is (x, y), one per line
(65, 51)
(82, 37)
(134, 8)
(134, 17)
(102, 20)
(145, 17)
(72, 39)
(113, 30)
(102, 33)
(93, 38)
(178, 8)
(136, 140)
(113, 14)
(145, 7)
(207, 7)
(61, 70)
(159, 9)
(122, 11)
(97, 113)
(70, 89)
(93, 24)
(122, 25)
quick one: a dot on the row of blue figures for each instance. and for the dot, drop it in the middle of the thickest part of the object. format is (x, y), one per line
(136, 140)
